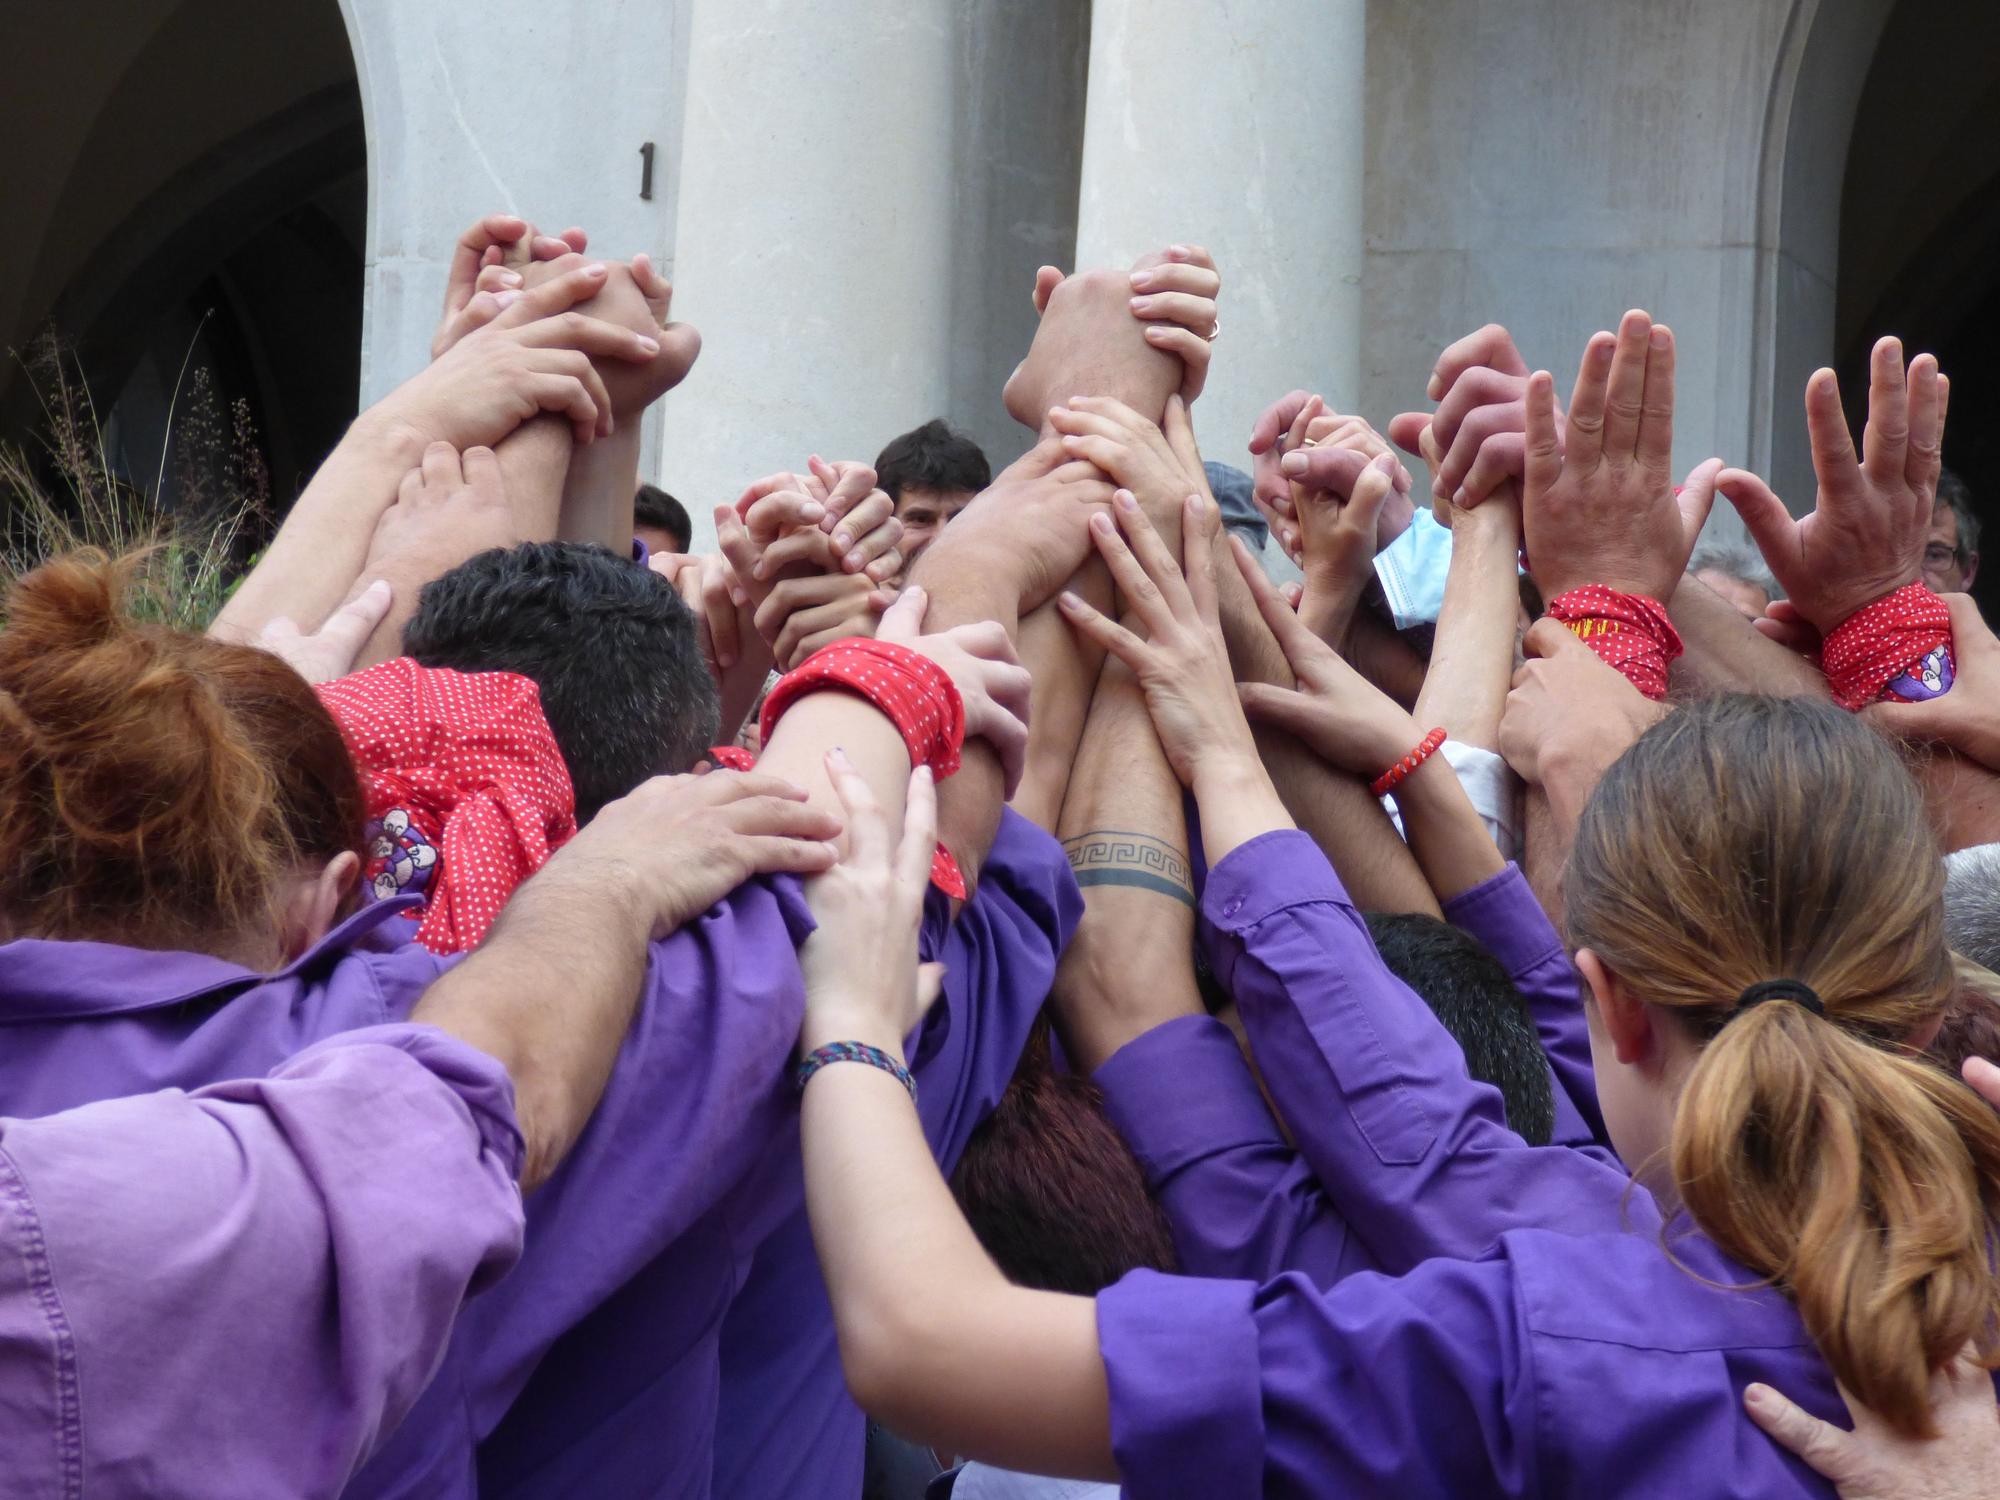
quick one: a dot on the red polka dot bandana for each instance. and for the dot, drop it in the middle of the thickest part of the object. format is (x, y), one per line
(1897, 648)
(1628, 631)
(467, 793)
(913, 692)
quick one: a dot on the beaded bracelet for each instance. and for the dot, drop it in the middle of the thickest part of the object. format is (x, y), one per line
(1390, 779)
(861, 1052)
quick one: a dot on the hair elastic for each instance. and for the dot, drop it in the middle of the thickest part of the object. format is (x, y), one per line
(1779, 989)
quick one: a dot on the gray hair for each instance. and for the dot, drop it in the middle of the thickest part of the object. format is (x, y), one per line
(1972, 903)
(1727, 550)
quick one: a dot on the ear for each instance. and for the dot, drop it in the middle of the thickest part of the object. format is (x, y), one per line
(1628, 1022)
(315, 904)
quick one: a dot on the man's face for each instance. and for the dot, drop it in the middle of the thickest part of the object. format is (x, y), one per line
(1942, 569)
(924, 514)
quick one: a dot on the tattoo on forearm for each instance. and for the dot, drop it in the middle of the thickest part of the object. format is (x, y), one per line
(1111, 856)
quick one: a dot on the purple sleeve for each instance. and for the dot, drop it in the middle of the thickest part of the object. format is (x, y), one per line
(1240, 1201)
(1413, 1153)
(1000, 955)
(1505, 916)
(699, 1094)
(245, 1287)
(1415, 1387)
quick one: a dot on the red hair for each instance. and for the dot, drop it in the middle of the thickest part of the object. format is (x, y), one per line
(155, 786)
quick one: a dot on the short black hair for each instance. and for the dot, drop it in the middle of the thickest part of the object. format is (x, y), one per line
(610, 644)
(1470, 993)
(654, 507)
(1951, 491)
(932, 457)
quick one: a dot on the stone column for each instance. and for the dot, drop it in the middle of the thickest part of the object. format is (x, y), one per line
(813, 245)
(1238, 128)
(510, 106)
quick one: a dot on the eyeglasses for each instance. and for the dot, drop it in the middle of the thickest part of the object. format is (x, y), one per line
(1938, 555)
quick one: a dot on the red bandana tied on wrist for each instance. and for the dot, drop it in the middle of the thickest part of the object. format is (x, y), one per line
(1627, 631)
(913, 692)
(1897, 648)
(466, 791)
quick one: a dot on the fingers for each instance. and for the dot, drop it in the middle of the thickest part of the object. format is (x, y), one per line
(557, 294)
(904, 620)
(468, 255)
(588, 335)
(1311, 412)
(918, 845)
(733, 539)
(847, 485)
(1541, 451)
(868, 842)
(1926, 439)
(1653, 444)
(777, 817)
(1106, 634)
(1764, 515)
(442, 470)
(1834, 463)
(497, 278)
(1196, 314)
(1200, 520)
(869, 531)
(1697, 498)
(1549, 637)
(1364, 507)
(1476, 429)
(1170, 338)
(1331, 469)
(1820, 1444)
(1191, 277)
(1502, 459)
(1625, 389)
(573, 395)
(1492, 346)
(482, 471)
(1276, 420)
(1179, 433)
(1474, 389)
(773, 515)
(1142, 565)
(411, 490)
(1984, 1079)
(1301, 647)
(1280, 708)
(1886, 437)
(1047, 279)
(720, 616)
(1407, 429)
(347, 629)
(1588, 402)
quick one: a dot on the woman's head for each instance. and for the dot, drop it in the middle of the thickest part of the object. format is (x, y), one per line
(1745, 840)
(158, 788)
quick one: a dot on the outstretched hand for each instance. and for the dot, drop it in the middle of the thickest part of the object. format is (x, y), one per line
(1598, 503)
(1865, 536)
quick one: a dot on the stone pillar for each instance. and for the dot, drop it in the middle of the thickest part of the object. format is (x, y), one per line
(1238, 128)
(813, 245)
(510, 106)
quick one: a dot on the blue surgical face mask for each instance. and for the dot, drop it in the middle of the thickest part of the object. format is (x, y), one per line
(1413, 568)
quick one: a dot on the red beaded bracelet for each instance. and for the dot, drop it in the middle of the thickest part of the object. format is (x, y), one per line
(1390, 779)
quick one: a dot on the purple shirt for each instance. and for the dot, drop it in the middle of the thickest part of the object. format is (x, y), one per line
(237, 1291)
(607, 1415)
(1583, 1362)
(1400, 1155)
(697, 1095)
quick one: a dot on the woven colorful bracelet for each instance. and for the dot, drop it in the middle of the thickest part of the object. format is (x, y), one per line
(856, 1052)
(1392, 778)
(1898, 648)
(912, 691)
(1627, 631)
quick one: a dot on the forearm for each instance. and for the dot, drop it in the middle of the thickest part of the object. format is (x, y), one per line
(1066, 669)
(566, 934)
(1375, 651)
(1726, 654)
(597, 493)
(315, 560)
(1963, 797)
(1130, 965)
(933, 1340)
(1342, 816)
(821, 721)
(1445, 831)
(535, 461)
(1472, 657)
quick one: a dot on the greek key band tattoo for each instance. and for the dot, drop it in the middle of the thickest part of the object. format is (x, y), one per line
(1111, 856)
